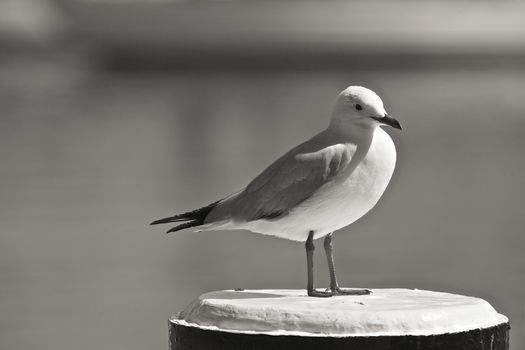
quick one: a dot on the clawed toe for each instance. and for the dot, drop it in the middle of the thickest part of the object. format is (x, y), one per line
(320, 293)
(343, 291)
(337, 291)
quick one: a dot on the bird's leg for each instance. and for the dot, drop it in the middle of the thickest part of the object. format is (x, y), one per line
(334, 287)
(328, 248)
(309, 245)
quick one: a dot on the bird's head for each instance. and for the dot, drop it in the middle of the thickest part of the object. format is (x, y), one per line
(357, 106)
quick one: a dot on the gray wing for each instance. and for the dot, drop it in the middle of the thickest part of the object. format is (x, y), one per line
(289, 181)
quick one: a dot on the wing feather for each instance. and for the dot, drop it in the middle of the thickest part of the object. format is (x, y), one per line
(290, 180)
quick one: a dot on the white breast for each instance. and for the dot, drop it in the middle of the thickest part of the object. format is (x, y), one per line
(344, 202)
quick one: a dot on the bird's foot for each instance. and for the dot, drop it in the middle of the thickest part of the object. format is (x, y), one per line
(346, 291)
(319, 293)
(330, 292)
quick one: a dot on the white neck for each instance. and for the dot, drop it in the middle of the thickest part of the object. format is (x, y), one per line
(358, 133)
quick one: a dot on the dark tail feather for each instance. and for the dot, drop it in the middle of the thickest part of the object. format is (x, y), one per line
(193, 218)
(184, 225)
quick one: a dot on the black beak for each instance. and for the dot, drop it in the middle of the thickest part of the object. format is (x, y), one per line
(388, 120)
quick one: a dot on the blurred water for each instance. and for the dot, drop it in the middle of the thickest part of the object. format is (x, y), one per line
(90, 157)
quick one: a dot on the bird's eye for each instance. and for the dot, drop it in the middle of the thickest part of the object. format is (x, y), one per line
(358, 107)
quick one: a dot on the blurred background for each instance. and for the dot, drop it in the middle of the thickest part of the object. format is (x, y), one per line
(116, 113)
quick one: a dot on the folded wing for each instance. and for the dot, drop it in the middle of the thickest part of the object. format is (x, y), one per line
(289, 181)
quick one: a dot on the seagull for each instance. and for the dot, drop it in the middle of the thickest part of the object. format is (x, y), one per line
(316, 188)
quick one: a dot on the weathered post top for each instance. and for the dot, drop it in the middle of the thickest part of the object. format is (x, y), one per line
(386, 319)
